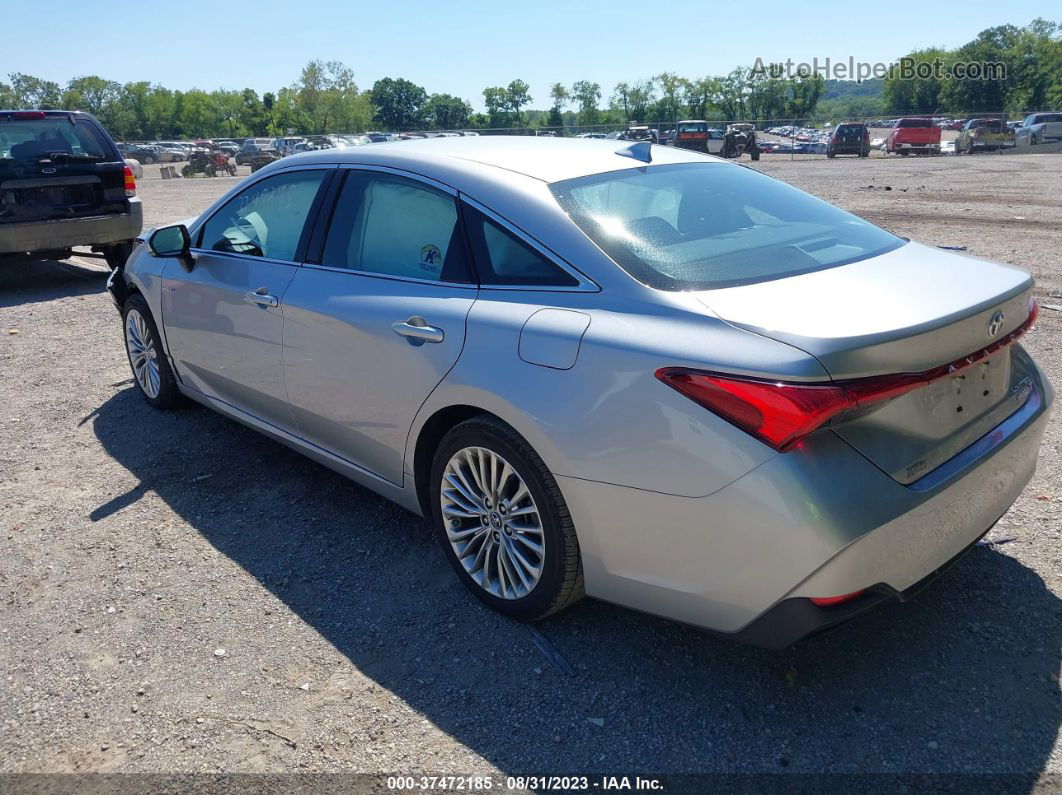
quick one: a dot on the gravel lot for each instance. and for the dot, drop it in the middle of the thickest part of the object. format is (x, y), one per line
(178, 593)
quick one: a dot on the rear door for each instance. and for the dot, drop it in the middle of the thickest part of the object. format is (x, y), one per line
(376, 318)
(224, 321)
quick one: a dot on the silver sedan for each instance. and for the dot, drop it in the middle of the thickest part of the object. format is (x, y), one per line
(631, 371)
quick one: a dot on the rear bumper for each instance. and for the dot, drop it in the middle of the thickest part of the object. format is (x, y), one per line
(819, 521)
(94, 230)
(916, 147)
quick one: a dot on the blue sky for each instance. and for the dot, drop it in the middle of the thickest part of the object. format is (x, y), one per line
(460, 47)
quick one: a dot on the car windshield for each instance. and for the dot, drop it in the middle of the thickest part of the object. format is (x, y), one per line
(701, 226)
(33, 139)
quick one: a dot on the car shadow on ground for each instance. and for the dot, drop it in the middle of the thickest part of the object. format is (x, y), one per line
(27, 280)
(962, 679)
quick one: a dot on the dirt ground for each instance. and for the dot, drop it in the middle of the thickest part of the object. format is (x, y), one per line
(178, 593)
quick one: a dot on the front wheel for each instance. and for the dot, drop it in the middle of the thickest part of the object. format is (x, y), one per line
(500, 517)
(151, 370)
(148, 161)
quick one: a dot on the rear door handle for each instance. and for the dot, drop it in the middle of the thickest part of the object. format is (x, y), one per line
(261, 297)
(418, 330)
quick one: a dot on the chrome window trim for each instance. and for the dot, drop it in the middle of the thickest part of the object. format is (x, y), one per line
(398, 172)
(585, 285)
(376, 275)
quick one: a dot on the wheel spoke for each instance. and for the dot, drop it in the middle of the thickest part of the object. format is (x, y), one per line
(462, 488)
(505, 558)
(459, 513)
(527, 542)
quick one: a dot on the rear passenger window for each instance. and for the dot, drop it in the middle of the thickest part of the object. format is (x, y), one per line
(504, 259)
(396, 227)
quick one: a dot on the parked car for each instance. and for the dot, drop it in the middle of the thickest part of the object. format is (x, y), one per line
(984, 134)
(850, 138)
(251, 147)
(695, 134)
(140, 153)
(914, 135)
(286, 146)
(63, 183)
(634, 373)
(178, 151)
(1038, 128)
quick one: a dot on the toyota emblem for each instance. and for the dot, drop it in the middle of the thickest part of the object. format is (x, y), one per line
(995, 325)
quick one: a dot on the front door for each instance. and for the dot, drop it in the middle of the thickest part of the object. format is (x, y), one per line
(374, 328)
(224, 320)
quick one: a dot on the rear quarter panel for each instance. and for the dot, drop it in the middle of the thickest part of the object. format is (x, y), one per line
(607, 417)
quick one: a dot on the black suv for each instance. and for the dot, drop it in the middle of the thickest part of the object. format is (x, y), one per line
(63, 183)
(850, 138)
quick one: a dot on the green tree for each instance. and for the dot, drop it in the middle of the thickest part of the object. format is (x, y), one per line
(32, 92)
(269, 101)
(518, 97)
(586, 94)
(496, 99)
(672, 90)
(914, 94)
(446, 112)
(700, 96)
(559, 94)
(398, 104)
(733, 89)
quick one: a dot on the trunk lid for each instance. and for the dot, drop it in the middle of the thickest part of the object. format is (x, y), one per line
(910, 310)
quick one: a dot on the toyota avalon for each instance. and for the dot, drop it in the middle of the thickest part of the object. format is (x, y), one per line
(631, 371)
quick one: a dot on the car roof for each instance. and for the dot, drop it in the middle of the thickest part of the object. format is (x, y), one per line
(542, 158)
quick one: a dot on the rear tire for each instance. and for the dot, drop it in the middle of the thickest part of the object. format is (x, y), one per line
(151, 369)
(476, 528)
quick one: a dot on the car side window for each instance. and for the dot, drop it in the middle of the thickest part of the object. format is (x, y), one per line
(267, 219)
(397, 227)
(503, 259)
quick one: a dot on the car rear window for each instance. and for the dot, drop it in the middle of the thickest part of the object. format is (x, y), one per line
(33, 139)
(701, 226)
(692, 128)
(914, 123)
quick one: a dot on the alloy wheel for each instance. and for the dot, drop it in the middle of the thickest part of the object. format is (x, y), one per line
(143, 355)
(492, 523)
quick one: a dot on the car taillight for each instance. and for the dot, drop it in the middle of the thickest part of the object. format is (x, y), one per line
(130, 182)
(780, 414)
(777, 413)
(833, 601)
(25, 115)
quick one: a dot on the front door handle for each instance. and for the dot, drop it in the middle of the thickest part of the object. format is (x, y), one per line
(418, 331)
(262, 297)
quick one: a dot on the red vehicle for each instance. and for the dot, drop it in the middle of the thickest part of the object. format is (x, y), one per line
(916, 135)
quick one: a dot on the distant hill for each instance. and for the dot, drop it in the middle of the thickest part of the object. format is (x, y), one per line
(843, 89)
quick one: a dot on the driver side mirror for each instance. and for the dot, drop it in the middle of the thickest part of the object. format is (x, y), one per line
(173, 241)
